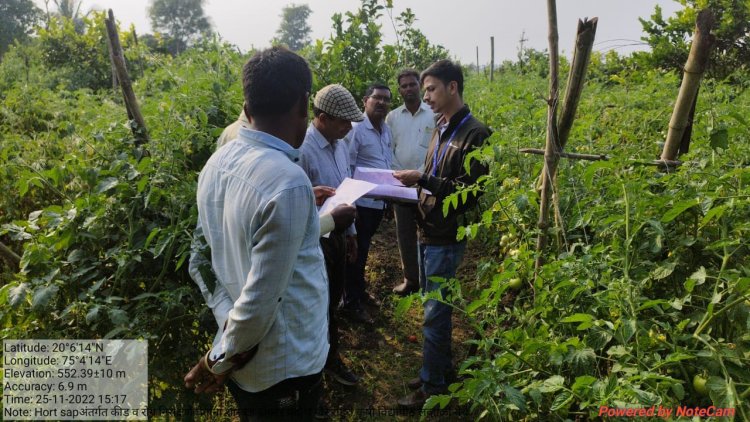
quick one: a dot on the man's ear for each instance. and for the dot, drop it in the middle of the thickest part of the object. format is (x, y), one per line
(304, 110)
(453, 87)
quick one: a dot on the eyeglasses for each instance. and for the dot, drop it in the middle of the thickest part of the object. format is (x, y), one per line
(381, 98)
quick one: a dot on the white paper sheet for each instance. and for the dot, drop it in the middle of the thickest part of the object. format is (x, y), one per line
(348, 191)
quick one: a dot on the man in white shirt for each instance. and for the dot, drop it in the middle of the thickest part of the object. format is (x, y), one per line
(412, 125)
(257, 211)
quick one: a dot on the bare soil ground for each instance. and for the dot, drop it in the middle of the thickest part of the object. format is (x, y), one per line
(381, 353)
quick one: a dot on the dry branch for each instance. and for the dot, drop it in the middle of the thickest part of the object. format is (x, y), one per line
(694, 68)
(118, 59)
(577, 76)
(552, 145)
(571, 155)
(9, 255)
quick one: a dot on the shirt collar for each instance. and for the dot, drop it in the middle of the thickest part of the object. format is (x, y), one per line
(317, 137)
(422, 107)
(265, 140)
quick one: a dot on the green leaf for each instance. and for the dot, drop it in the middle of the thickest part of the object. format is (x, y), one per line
(403, 305)
(515, 397)
(118, 316)
(663, 271)
(678, 209)
(106, 184)
(92, 315)
(582, 384)
(719, 138)
(43, 295)
(561, 401)
(678, 390)
(552, 384)
(715, 212)
(618, 351)
(578, 318)
(17, 294)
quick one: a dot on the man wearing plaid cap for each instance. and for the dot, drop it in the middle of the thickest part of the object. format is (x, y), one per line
(325, 159)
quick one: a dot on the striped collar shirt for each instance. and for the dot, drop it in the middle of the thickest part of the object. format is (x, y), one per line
(411, 136)
(370, 148)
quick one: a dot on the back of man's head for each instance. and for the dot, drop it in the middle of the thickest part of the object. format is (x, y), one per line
(446, 71)
(274, 81)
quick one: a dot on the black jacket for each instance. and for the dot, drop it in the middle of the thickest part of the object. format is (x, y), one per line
(434, 228)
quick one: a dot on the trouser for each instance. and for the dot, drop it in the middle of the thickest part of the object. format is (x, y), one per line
(437, 261)
(367, 222)
(334, 253)
(291, 399)
(406, 233)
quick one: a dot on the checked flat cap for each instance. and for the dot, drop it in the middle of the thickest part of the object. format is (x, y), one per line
(336, 101)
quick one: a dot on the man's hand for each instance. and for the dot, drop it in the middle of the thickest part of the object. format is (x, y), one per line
(407, 177)
(322, 193)
(351, 249)
(201, 380)
(343, 216)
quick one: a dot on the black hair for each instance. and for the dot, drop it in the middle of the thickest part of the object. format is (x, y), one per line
(374, 86)
(446, 71)
(274, 81)
(317, 112)
(407, 72)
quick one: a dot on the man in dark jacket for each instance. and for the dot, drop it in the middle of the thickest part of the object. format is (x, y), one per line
(456, 134)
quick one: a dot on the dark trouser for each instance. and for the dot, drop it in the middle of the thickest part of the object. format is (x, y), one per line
(291, 399)
(334, 252)
(367, 222)
(406, 233)
(437, 261)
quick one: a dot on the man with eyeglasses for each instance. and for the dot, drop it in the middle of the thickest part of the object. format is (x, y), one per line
(369, 146)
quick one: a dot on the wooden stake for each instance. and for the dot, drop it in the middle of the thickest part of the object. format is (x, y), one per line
(694, 68)
(552, 145)
(138, 125)
(9, 255)
(492, 58)
(571, 155)
(477, 59)
(581, 55)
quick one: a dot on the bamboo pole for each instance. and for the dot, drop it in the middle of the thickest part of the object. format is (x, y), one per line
(9, 255)
(694, 68)
(581, 55)
(571, 155)
(477, 59)
(138, 125)
(492, 59)
(552, 145)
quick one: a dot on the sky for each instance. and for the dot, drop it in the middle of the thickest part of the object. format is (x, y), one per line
(460, 26)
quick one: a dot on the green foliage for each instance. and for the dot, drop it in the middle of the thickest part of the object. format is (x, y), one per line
(414, 49)
(17, 17)
(77, 58)
(294, 31)
(353, 56)
(105, 232)
(182, 21)
(670, 38)
(649, 283)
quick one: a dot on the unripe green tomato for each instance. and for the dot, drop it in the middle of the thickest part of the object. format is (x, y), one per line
(515, 283)
(699, 383)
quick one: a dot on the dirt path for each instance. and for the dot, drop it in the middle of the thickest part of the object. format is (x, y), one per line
(381, 353)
